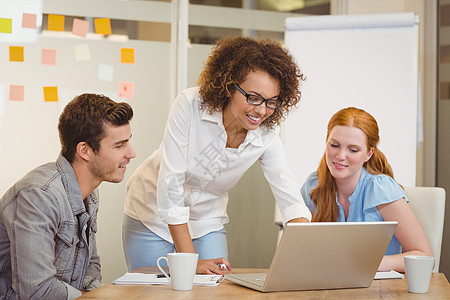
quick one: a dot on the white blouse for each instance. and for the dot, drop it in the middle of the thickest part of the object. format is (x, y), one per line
(187, 179)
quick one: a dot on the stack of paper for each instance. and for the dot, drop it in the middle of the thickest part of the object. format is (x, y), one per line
(389, 275)
(141, 278)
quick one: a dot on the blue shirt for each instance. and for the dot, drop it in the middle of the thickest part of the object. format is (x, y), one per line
(371, 191)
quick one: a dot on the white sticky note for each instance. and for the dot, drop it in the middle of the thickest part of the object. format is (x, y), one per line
(82, 52)
(105, 72)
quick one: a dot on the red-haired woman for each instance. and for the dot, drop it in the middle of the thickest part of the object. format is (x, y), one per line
(355, 183)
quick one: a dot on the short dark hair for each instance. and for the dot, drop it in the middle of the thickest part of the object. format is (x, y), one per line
(84, 119)
(233, 58)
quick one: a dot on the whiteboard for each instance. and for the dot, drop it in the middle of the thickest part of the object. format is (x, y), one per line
(365, 61)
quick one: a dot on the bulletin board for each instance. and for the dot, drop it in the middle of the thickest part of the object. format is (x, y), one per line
(41, 72)
(69, 64)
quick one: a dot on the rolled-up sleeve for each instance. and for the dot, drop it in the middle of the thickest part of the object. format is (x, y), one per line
(72, 293)
(282, 183)
(174, 163)
(93, 272)
(175, 215)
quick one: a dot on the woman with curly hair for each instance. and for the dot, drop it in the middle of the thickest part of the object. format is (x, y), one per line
(177, 199)
(355, 183)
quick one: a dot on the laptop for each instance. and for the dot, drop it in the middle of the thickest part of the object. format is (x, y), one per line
(323, 255)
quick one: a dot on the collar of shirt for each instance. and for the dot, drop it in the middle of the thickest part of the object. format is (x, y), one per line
(355, 206)
(359, 186)
(253, 136)
(73, 189)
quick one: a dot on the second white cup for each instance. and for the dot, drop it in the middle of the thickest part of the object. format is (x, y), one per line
(182, 269)
(418, 271)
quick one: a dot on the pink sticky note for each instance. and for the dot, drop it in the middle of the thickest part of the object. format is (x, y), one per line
(48, 57)
(29, 21)
(126, 90)
(80, 27)
(16, 92)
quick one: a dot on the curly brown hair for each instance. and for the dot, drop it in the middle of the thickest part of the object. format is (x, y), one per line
(233, 58)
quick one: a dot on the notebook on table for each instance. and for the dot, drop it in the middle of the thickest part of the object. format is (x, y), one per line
(323, 255)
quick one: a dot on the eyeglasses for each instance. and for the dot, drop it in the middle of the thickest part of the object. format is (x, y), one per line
(258, 100)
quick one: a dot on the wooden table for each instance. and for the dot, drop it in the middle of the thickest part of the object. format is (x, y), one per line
(380, 289)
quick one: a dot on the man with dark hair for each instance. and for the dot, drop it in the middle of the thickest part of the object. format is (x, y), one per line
(48, 219)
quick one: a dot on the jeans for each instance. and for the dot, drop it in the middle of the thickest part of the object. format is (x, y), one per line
(142, 247)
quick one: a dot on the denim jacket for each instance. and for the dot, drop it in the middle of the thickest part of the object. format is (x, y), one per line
(47, 236)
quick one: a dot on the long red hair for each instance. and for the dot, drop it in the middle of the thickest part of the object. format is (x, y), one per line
(324, 195)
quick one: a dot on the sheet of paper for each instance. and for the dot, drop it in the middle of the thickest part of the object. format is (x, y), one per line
(389, 275)
(141, 278)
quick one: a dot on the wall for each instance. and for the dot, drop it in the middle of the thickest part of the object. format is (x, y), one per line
(29, 128)
(426, 152)
(443, 169)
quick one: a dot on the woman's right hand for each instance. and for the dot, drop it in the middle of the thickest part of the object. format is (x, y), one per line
(212, 266)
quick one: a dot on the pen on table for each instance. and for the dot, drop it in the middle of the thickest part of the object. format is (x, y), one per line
(220, 279)
(162, 275)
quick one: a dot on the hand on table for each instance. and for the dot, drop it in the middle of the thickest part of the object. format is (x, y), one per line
(212, 266)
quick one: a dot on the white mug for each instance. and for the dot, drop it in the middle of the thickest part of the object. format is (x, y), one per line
(418, 271)
(182, 268)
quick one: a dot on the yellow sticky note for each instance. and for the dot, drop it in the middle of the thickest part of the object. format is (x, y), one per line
(102, 26)
(56, 22)
(127, 55)
(15, 53)
(16, 92)
(50, 93)
(5, 25)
